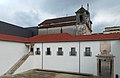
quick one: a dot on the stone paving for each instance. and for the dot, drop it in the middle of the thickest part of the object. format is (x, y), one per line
(47, 74)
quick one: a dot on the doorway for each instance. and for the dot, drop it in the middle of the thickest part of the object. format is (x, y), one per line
(105, 66)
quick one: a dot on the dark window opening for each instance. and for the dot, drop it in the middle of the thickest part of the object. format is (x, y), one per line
(73, 52)
(48, 52)
(37, 51)
(59, 52)
(81, 18)
(111, 67)
(31, 49)
(99, 66)
(87, 52)
(61, 31)
(117, 76)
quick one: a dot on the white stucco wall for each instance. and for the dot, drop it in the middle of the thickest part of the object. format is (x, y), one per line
(61, 63)
(115, 50)
(66, 29)
(42, 31)
(69, 29)
(27, 65)
(88, 64)
(37, 60)
(54, 30)
(33, 62)
(10, 53)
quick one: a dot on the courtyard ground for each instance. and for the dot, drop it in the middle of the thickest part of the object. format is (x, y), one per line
(48, 74)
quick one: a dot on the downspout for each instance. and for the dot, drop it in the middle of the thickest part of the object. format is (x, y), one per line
(79, 57)
(42, 55)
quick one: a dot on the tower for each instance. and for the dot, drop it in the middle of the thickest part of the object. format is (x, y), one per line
(83, 22)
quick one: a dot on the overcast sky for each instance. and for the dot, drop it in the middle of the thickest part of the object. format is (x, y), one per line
(28, 13)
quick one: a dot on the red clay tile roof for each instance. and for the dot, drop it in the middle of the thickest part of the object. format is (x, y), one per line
(67, 37)
(52, 38)
(13, 38)
(64, 37)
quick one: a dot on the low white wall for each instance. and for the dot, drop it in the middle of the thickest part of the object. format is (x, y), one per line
(10, 53)
(88, 64)
(61, 63)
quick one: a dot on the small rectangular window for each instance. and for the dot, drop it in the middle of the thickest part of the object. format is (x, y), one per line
(87, 52)
(59, 52)
(73, 52)
(48, 52)
(31, 49)
(37, 52)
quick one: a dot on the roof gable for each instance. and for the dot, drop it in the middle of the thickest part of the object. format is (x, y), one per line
(82, 10)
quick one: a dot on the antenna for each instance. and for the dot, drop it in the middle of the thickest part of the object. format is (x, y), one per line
(88, 6)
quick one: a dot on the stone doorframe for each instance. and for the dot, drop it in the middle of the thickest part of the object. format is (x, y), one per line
(107, 57)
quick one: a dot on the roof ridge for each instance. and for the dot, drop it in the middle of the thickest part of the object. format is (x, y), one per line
(61, 17)
(65, 37)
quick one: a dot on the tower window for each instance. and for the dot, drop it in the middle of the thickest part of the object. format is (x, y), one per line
(48, 52)
(81, 18)
(73, 52)
(60, 52)
(87, 52)
(37, 51)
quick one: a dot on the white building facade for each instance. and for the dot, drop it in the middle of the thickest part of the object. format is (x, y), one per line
(78, 62)
(64, 52)
(77, 55)
(80, 51)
